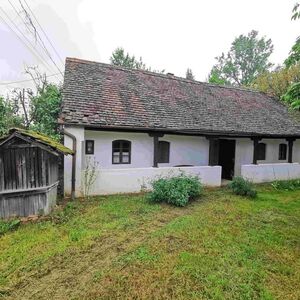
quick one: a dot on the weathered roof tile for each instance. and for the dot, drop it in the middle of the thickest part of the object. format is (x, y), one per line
(98, 94)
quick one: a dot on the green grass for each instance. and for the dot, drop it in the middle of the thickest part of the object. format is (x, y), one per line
(221, 246)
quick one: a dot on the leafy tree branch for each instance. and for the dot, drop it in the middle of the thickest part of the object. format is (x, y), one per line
(122, 59)
(247, 58)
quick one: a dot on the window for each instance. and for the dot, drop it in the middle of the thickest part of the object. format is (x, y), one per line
(163, 152)
(261, 151)
(89, 147)
(282, 151)
(121, 152)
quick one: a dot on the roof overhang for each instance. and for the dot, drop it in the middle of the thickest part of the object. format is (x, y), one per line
(178, 131)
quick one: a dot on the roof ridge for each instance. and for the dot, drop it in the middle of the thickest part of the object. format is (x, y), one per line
(173, 77)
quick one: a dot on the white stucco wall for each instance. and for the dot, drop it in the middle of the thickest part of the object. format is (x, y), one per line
(243, 154)
(141, 148)
(184, 150)
(272, 151)
(132, 180)
(270, 172)
(296, 151)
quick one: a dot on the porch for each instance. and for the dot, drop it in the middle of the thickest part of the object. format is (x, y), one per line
(129, 161)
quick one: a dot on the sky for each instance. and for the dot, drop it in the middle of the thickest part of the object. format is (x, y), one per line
(169, 35)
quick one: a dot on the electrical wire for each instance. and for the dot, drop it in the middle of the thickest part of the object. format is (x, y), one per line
(56, 52)
(32, 50)
(41, 43)
(26, 80)
(37, 34)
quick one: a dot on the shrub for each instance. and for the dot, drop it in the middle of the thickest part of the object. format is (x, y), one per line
(243, 187)
(178, 190)
(6, 226)
(287, 185)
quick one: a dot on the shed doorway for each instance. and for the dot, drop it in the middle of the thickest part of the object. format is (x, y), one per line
(226, 158)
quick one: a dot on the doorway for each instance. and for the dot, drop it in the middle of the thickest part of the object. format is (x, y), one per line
(226, 158)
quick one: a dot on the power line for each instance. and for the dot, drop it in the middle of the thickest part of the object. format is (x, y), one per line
(38, 35)
(44, 32)
(20, 38)
(23, 21)
(33, 51)
(26, 80)
(18, 13)
(36, 32)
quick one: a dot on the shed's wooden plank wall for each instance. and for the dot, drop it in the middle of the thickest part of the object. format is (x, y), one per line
(28, 203)
(27, 167)
(28, 179)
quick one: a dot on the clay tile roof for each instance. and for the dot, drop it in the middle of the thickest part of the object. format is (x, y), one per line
(102, 95)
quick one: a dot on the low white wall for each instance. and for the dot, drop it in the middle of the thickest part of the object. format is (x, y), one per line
(270, 172)
(132, 180)
(244, 153)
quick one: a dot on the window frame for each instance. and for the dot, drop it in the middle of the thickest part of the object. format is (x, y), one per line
(121, 148)
(281, 151)
(260, 155)
(86, 147)
(160, 154)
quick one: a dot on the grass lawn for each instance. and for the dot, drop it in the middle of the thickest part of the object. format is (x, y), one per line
(121, 247)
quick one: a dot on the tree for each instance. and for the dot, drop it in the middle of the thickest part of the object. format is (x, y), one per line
(189, 74)
(277, 82)
(39, 107)
(294, 55)
(247, 58)
(8, 119)
(292, 96)
(46, 107)
(216, 78)
(296, 11)
(119, 58)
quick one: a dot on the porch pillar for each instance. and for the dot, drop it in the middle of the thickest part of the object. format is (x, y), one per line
(155, 136)
(155, 151)
(290, 151)
(255, 149)
(213, 159)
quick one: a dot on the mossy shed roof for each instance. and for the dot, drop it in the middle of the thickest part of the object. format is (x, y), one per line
(39, 138)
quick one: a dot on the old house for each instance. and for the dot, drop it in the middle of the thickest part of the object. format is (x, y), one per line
(138, 125)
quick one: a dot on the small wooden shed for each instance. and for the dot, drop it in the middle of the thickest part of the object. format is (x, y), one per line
(28, 173)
